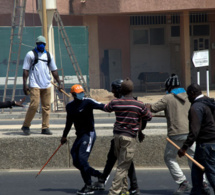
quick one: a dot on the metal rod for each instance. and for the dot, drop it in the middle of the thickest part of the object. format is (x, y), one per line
(198, 77)
(207, 76)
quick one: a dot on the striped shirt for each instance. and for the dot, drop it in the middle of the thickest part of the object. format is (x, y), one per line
(128, 113)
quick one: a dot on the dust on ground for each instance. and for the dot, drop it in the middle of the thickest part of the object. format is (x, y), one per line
(104, 96)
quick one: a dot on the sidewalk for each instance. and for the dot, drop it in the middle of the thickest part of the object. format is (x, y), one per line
(101, 130)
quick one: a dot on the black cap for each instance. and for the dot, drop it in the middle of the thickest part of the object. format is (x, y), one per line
(116, 84)
(172, 82)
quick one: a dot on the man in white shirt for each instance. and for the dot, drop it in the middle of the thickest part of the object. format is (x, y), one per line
(37, 66)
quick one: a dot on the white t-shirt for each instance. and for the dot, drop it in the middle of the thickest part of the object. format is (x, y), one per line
(39, 76)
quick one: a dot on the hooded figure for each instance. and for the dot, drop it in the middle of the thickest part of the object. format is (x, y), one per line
(176, 105)
(202, 131)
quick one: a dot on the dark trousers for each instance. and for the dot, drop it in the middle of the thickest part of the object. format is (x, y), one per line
(111, 160)
(205, 155)
(80, 152)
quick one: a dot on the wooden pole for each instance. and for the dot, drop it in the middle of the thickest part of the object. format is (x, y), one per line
(48, 160)
(61, 89)
(44, 22)
(187, 155)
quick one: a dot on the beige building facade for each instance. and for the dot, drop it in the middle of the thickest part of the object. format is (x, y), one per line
(127, 38)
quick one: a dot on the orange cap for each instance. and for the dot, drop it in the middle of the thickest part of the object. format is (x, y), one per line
(76, 89)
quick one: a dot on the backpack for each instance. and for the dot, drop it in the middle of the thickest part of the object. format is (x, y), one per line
(36, 58)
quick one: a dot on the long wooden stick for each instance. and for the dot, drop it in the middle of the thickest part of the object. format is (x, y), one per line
(48, 160)
(187, 155)
(61, 89)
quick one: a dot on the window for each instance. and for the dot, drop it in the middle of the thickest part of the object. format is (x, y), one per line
(152, 36)
(140, 37)
(175, 31)
(198, 17)
(200, 30)
(147, 20)
(157, 36)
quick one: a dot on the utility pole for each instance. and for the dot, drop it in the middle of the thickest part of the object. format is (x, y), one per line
(46, 9)
(44, 21)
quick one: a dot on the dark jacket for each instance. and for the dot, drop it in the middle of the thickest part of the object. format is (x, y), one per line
(8, 104)
(80, 112)
(201, 122)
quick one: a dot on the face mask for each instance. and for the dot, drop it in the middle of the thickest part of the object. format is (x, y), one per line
(41, 47)
(80, 96)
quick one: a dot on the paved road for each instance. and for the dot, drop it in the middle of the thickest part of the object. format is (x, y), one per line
(63, 182)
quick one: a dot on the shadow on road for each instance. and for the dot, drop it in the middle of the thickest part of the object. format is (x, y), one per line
(156, 192)
(68, 191)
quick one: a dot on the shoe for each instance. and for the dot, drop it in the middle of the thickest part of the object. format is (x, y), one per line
(46, 131)
(205, 189)
(87, 189)
(98, 185)
(26, 130)
(125, 193)
(183, 187)
(134, 191)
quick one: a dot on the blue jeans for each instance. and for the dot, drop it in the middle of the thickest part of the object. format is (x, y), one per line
(205, 155)
(80, 152)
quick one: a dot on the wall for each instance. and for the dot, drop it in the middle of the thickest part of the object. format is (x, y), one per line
(148, 154)
(114, 33)
(212, 51)
(6, 8)
(91, 22)
(62, 6)
(75, 7)
(137, 6)
(149, 57)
